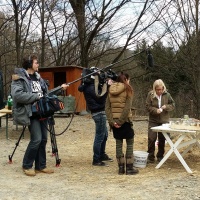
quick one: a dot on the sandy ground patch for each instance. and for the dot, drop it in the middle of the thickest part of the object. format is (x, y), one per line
(76, 178)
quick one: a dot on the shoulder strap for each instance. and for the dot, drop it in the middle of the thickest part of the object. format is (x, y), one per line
(96, 84)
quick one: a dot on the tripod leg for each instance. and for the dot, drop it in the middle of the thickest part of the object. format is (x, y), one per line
(54, 145)
(17, 143)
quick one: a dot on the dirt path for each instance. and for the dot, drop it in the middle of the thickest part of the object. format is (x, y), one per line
(77, 179)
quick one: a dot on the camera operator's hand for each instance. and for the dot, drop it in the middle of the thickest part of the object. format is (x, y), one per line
(110, 82)
(64, 86)
(116, 125)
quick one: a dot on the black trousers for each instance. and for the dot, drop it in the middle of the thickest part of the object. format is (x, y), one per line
(152, 137)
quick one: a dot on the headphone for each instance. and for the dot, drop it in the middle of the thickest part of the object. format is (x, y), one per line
(30, 62)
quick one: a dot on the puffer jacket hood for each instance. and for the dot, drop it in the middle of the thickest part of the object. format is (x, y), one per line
(21, 73)
(116, 88)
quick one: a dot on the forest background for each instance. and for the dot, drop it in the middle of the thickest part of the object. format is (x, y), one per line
(148, 39)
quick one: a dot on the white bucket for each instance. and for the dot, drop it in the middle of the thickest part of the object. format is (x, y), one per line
(140, 159)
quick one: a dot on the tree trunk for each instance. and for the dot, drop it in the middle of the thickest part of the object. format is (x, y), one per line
(43, 35)
(79, 10)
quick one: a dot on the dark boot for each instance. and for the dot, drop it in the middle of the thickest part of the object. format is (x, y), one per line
(130, 170)
(121, 163)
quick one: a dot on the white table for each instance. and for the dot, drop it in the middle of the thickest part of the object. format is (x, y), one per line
(179, 143)
(6, 112)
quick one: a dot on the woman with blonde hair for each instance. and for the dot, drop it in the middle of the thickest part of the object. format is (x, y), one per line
(118, 112)
(159, 103)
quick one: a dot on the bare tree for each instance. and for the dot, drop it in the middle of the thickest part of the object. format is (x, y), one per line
(101, 26)
(85, 32)
(57, 33)
(21, 9)
(185, 36)
(104, 19)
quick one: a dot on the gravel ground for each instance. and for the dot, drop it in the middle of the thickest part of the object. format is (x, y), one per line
(77, 179)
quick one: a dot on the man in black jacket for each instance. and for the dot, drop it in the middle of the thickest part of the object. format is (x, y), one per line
(96, 105)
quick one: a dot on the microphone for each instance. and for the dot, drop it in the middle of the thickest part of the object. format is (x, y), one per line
(150, 59)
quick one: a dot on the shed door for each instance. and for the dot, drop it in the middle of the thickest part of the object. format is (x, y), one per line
(59, 78)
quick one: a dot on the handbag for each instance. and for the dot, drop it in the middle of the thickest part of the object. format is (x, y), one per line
(46, 106)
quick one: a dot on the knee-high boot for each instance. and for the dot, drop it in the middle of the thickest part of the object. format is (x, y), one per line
(130, 170)
(121, 163)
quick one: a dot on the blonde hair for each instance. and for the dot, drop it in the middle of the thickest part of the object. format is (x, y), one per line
(158, 83)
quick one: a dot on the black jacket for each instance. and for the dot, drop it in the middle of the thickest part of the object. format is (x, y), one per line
(94, 103)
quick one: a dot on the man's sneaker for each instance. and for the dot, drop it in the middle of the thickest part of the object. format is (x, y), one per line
(105, 157)
(99, 163)
(45, 170)
(29, 172)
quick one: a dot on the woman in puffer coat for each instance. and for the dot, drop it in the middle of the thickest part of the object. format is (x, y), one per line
(118, 112)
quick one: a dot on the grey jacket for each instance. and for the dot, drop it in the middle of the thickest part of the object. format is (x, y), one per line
(23, 97)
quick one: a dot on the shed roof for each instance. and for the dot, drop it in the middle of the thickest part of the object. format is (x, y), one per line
(65, 66)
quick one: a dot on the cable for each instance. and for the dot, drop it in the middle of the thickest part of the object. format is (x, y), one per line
(70, 119)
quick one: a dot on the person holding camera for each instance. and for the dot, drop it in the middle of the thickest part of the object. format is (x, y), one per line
(95, 100)
(159, 104)
(118, 112)
(27, 87)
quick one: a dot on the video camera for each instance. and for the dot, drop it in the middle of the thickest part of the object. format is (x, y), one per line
(88, 75)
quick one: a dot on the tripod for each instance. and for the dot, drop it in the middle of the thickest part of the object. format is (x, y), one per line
(16, 145)
(51, 123)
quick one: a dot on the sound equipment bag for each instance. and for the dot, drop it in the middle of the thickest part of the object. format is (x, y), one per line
(47, 106)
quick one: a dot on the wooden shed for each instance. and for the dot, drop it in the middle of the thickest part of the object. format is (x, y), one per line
(65, 74)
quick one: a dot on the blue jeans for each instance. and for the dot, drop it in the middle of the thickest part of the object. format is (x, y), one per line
(36, 150)
(101, 135)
